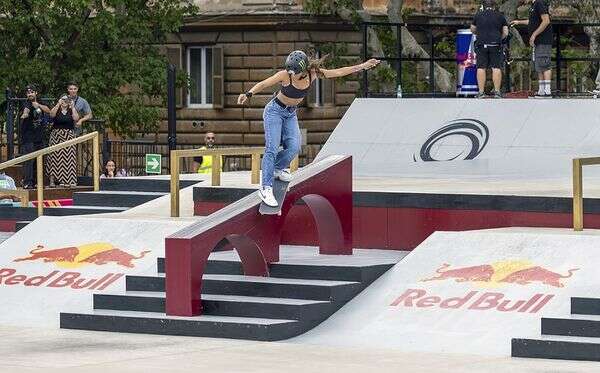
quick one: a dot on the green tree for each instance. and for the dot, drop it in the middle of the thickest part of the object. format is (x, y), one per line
(110, 47)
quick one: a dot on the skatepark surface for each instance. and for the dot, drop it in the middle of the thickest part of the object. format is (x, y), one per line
(33, 350)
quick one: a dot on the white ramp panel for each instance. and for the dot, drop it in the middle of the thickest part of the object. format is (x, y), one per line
(517, 138)
(55, 264)
(468, 292)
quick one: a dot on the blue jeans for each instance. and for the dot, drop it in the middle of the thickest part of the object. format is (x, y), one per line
(281, 128)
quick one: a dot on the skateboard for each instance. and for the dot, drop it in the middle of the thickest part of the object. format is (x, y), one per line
(279, 191)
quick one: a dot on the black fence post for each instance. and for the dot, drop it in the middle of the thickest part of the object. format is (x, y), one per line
(399, 46)
(171, 113)
(558, 61)
(10, 126)
(365, 78)
(431, 62)
(507, 78)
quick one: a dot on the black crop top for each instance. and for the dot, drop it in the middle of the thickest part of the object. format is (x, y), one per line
(64, 121)
(293, 92)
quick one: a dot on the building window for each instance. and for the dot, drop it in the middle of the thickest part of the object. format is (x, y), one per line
(200, 71)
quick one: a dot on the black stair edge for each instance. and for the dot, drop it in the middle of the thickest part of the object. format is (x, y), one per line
(142, 184)
(180, 327)
(311, 312)
(213, 267)
(111, 200)
(562, 350)
(81, 210)
(364, 274)
(336, 293)
(570, 327)
(585, 306)
(21, 224)
(18, 213)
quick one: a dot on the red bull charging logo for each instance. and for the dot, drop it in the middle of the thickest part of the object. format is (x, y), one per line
(98, 253)
(519, 272)
(503, 272)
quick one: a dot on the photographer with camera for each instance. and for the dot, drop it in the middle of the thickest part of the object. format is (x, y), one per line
(32, 132)
(62, 164)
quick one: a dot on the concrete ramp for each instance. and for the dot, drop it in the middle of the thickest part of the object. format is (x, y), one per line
(55, 264)
(475, 138)
(468, 292)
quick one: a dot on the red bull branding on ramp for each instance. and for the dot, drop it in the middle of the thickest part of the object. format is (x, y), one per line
(469, 292)
(55, 264)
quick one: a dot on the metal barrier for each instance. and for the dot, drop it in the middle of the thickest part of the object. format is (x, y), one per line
(39, 156)
(559, 58)
(578, 164)
(216, 154)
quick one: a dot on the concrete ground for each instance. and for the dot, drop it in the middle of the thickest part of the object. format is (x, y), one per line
(42, 350)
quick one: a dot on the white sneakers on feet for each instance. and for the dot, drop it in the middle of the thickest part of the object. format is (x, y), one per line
(266, 194)
(283, 175)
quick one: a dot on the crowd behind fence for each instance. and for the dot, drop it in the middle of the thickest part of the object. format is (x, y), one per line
(575, 70)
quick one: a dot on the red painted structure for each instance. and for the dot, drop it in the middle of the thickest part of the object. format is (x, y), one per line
(384, 224)
(326, 189)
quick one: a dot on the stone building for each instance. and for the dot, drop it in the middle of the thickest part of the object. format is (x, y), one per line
(231, 46)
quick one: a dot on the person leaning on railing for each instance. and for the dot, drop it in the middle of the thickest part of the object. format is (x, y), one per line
(62, 164)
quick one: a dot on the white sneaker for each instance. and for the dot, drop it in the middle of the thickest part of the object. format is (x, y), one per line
(283, 175)
(266, 194)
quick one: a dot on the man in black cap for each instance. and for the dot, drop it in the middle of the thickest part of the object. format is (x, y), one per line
(32, 132)
(491, 27)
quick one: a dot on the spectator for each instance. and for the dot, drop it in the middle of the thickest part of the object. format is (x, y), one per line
(62, 164)
(110, 170)
(32, 132)
(7, 183)
(491, 27)
(80, 104)
(540, 39)
(206, 162)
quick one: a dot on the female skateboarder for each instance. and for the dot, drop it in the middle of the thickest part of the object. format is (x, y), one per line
(280, 120)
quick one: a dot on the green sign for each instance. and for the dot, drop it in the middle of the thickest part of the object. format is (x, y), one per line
(153, 163)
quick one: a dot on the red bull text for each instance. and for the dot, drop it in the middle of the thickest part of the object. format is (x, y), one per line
(57, 279)
(473, 300)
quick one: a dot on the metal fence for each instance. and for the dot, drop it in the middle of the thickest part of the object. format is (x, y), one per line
(438, 41)
(131, 156)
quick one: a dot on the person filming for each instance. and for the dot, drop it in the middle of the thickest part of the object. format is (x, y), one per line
(490, 27)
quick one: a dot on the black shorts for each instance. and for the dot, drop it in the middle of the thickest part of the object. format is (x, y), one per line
(490, 57)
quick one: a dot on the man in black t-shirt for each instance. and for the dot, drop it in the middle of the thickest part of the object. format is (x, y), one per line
(32, 132)
(540, 39)
(490, 27)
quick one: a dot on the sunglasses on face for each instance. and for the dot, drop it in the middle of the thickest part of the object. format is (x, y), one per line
(210, 138)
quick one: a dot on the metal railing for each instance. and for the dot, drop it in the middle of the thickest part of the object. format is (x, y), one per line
(559, 30)
(578, 164)
(216, 154)
(39, 156)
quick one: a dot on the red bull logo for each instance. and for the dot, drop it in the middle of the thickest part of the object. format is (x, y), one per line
(57, 279)
(474, 300)
(99, 253)
(504, 272)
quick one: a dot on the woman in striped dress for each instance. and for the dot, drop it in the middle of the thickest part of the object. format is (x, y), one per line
(62, 164)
